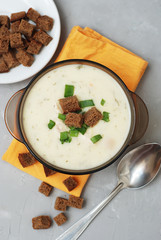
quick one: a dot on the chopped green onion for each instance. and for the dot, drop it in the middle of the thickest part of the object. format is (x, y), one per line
(64, 137)
(102, 102)
(62, 116)
(106, 116)
(74, 132)
(86, 103)
(83, 129)
(71, 127)
(51, 124)
(85, 125)
(69, 90)
(96, 138)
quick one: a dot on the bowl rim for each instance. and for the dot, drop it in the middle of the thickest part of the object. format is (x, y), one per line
(70, 62)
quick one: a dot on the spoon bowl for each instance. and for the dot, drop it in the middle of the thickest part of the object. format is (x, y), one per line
(140, 166)
(136, 169)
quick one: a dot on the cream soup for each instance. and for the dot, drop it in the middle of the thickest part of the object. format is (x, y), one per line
(42, 104)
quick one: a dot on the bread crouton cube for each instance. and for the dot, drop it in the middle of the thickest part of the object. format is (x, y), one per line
(48, 172)
(92, 116)
(17, 16)
(61, 204)
(15, 26)
(24, 58)
(24, 46)
(26, 159)
(10, 59)
(60, 219)
(70, 183)
(4, 46)
(41, 222)
(4, 33)
(74, 120)
(42, 37)
(45, 189)
(3, 66)
(16, 40)
(34, 47)
(75, 202)
(4, 20)
(32, 14)
(69, 104)
(26, 28)
(45, 23)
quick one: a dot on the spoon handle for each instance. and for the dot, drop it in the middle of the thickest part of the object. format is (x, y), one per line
(78, 228)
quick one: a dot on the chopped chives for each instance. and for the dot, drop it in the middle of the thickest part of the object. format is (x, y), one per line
(64, 137)
(86, 103)
(96, 138)
(85, 125)
(74, 132)
(69, 90)
(83, 129)
(62, 116)
(106, 116)
(51, 124)
(102, 102)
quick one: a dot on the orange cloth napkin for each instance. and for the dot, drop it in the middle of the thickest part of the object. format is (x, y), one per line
(85, 44)
(88, 44)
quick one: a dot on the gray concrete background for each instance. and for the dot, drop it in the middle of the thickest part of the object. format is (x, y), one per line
(133, 214)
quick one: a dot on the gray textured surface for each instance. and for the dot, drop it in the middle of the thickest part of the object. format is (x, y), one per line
(133, 214)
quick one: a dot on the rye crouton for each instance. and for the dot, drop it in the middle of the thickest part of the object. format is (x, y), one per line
(26, 28)
(69, 104)
(61, 204)
(60, 219)
(42, 37)
(75, 202)
(26, 159)
(48, 172)
(3, 66)
(45, 189)
(34, 47)
(10, 59)
(25, 44)
(92, 116)
(24, 58)
(32, 14)
(17, 16)
(74, 120)
(41, 222)
(15, 26)
(16, 40)
(4, 46)
(4, 33)
(5, 21)
(70, 183)
(45, 23)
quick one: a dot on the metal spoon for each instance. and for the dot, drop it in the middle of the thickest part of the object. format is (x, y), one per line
(136, 169)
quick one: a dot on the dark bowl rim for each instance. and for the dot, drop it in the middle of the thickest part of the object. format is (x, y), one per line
(47, 164)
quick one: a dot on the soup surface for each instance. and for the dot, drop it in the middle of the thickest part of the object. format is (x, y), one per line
(42, 105)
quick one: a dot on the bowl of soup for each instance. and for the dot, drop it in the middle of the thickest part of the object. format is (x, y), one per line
(35, 116)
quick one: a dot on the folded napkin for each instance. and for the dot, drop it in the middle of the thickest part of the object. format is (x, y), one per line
(85, 44)
(88, 44)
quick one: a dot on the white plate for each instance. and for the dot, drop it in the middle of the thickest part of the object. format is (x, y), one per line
(44, 7)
